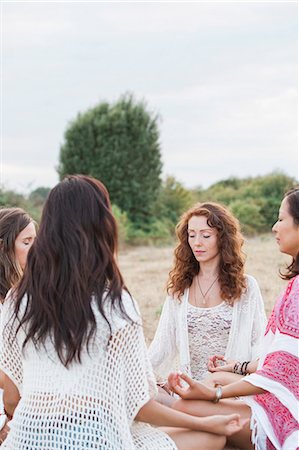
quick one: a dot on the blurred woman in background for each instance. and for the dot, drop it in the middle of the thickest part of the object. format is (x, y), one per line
(17, 234)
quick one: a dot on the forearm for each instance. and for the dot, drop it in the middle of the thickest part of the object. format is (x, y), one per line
(252, 366)
(239, 389)
(2, 377)
(160, 415)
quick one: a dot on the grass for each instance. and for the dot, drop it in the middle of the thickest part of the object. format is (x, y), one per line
(145, 270)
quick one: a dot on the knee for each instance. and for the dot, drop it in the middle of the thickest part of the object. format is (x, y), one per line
(220, 442)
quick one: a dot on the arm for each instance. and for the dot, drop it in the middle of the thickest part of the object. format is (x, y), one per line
(2, 375)
(10, 359)
(156, 414)
(163, 349)
(200, 391)
(228, 365)
(11, 396)
(240, 388)
(259, 319)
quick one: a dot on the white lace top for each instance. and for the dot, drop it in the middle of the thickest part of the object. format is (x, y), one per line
(91, 405)
(170, 349)
(208, 333)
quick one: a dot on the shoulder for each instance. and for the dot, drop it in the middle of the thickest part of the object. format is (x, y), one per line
(130, 306)
(251, 282)
(116, 316)
(252, 290)
(294, 285)
(175, 301)
(288, 312)
(8, 306)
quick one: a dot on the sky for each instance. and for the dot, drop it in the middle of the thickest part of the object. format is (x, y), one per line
(222, 76)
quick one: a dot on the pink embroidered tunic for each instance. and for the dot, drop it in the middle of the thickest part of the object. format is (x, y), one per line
(275, 413)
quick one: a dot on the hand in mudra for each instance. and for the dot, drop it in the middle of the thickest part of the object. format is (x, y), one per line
(226, 425)
(217, 363)
(193, 391)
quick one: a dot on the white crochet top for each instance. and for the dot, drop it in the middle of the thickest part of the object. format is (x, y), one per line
(208, 333)
(91, 405)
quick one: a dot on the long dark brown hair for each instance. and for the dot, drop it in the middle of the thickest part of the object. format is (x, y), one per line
(292, 197)
(71, 262)
(230, 241)
(12, 222)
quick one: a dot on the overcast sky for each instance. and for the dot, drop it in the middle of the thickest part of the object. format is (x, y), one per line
(222, 76)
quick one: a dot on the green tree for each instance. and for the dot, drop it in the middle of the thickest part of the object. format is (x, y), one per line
(118, 144)
(39, 195)
(173, 200)
(249, 215)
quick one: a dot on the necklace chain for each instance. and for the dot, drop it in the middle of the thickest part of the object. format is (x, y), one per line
(207, 291)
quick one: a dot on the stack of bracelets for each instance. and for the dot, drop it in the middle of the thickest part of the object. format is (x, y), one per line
(241, 368)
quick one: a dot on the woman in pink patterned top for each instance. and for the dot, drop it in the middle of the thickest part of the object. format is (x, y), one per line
(270, 395)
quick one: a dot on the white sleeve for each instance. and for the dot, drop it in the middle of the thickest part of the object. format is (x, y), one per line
(259, 319)
(10, 349)
(138, 386)
(163, 349)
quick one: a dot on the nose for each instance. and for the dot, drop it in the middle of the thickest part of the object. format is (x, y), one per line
(198, 240)
(274, 228)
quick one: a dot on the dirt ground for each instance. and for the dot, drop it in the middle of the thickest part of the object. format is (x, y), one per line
(145, 270)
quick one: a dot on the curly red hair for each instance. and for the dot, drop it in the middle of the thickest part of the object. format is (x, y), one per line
(230, 241)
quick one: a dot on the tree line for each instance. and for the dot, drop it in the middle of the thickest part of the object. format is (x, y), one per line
(119, 144)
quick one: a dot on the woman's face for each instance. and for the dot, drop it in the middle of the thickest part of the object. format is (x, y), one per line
(286, 231)
(202, 239)
(23, 243)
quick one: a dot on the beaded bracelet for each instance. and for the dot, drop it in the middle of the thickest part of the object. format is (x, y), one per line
(236, 368)
(241, 368)
(245, 367)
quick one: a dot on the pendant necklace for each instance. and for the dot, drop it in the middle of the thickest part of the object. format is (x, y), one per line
(208, 290)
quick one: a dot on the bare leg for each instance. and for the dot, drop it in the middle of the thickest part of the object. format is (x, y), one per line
(194, 440)
(242, 439)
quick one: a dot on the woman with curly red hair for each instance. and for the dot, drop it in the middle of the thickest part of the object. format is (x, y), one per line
(212, 307)
(269, 397)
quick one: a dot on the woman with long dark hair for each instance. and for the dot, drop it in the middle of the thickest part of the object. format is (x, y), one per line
(269, 396)
(72, 342)
(212, 307)
(17, 233)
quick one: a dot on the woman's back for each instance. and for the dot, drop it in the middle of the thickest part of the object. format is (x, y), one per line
(89, 405)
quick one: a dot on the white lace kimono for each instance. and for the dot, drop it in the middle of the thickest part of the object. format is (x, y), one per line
(91, 405)
(169, 350)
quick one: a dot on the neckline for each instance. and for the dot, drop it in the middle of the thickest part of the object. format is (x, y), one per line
(206, 308)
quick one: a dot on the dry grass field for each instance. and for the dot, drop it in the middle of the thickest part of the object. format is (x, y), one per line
(145, 270)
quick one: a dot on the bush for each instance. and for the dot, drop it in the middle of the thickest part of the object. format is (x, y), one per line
(118, 144)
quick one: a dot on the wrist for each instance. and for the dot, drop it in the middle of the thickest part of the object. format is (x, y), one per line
(203, 424)
(218, 394)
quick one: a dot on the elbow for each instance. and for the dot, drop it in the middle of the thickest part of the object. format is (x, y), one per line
(10, 404)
